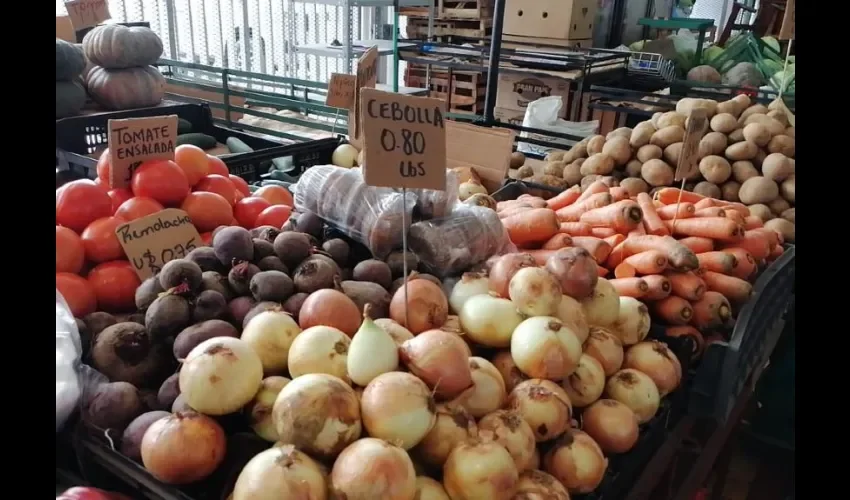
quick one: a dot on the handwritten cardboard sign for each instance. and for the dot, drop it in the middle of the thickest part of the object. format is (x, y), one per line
(341, 90)
(134, 140)
(689, 157)
(65, 30)
(487, 150)
(367, 77)
(87, 13)
(152, 241)
(405, 140)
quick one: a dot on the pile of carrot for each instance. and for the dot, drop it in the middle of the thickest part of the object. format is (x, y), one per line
(689, 257)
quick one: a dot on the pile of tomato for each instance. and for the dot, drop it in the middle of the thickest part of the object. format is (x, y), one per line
(92, 272)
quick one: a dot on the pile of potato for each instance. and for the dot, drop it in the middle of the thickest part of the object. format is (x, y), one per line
(746, 155)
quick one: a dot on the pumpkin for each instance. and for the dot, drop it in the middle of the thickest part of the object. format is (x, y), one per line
(129, 88)
(113, 46)
(70, 60)
(70, 98)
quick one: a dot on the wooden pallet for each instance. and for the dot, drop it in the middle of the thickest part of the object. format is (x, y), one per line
(454, 9)
(467, 88)
(445, 30)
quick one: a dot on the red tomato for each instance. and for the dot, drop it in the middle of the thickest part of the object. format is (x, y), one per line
(207, 210)
(119, 196)
(240, 184)
(114, 284)
(220, 185)
(103, 167)
(100, 241)
(193, 160)
(217, 166)
(276, 195)
(81, 202)
(138, 207)
(78, 293)
(161, 180)
(275, 215)
(239, 196)
(102, 184)
(248, 209)
(84, 493)
(70, 252)
(207, 238)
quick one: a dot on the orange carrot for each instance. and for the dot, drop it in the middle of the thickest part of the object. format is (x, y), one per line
(669, 196)
(624, 270)
(704, 203)
(595, 187)
(564, 198)
(572, 213)
(734, 289)
(679, 257)
(513, 211)
(506, 205)
(598, 248)
(622, 216)
(712, 311)
(559, 240)
(753, 222)
(576, 228)
(601, 271)
(688, 331)
(534, 226)
(680, 211)
(775, 253)
(537, 201)
(602, 232)
(619, 193)
(674, 310)
(709, 212)
(640, 230)
(657, 204)
(738, 207)
(648, 262)
(716, 228)
(614, 239)
(746, 264)
(651, 221)
(697, 244)
(773, 237)
(755, 242)
(688, 285)
(735, 216)
(718, 262)
(630, 287)
(659, 287)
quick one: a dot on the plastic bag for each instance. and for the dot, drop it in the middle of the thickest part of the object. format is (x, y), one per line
(432, 204)
(469, 235)
(543, 114)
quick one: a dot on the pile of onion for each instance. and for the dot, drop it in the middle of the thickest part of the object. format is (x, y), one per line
(423, 307)
(535, 484)
(613, 425)
(535, 292)
(577, 462)
(220, 376)
(633, 321)
(504, 362)
(658, 362)
(511, 431)
(280, 472)
(481, 469)
(372, 468)
(469, 285)
(439, 359)
(543, 347)
(505, 268)
(454, 425)
(430, 489)
(575, 270)
(605, 347)
(259, 410)
(637, 391)
(489, 321)
(586, 384)
(270, 334)
(399, 408)
(602, 307)
(399, 333)
(320, 349)
(332, 308)
(571, 314)
(488, 392)
(544, 405)
(183, 448)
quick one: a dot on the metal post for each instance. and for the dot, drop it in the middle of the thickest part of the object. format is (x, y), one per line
(493, 66)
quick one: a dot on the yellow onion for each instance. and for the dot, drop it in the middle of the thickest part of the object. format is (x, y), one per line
(544, 405)
(399, 333)
(535, 460)
(481, 469)
(571, 314)
(605, 347)
(439, 360)
(587, 383)
(613, 425)
(511, 431)
(270, 334)
(635, 390)
(220, 376)
(577, 462)
(320, 349)
(423, 307)
(602, 308)
(429, 489)
(633, 321)
(504, 362)
(535, 484)
(281, 472)
(399, 408)
(535, 292)
(469, 285)
(318, 413)
(543, 347)
(454, 425)
(370, 469)
(658, 362)
(489, 320)
(183, 448)
(259, 410)
(488, 389)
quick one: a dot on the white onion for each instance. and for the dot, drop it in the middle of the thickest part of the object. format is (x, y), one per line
(571, 314)
(577, 462)
(543, 347)
(371, 353)
(613, 425)
(605, 347)
(489, 320)
(318, 413)
(370, 469)
(488, 391)
(480, 470)
(511, 431)
(470, 285)
(633, 321)
(535, 484)
(504, 362)
(320, 349)
(658, 362)
(259, 410)
(454, 425)
(429, 489)
(635, 390)
(399, 408)
(220, 376)
(535, 292)
(603, 306)
(399, 333)
(544, 405)
(280, 472)
(440, 359)
(345, 156)
(587, 383)
(270, 334)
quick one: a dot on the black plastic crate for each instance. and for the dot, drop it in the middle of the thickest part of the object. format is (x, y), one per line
(512, 189)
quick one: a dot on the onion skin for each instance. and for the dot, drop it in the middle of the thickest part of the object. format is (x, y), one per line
(259, 411)
(543, 347)
(488, 391)
(428, 306)
(504, 269)
(535, 292)
(605, 347)
(183, 448)
(490, 321)
(511, 431)
(399, 333)
(439, 360)
(319, 414)
(270, 334)
(480, 470)
(575, 270)
(637, 391)
(399, 408)
(587, 383)
(218, 375)
(429, 489)
(370, 469)
(632, 325)
(577, 462)
(613, 425)
(281, 472)
(320, 349)
(504, 362)
(602, 307)
(538, 485)
(330, 308)
(454, 425)
(470, 284)
(544, 405)
(571, 314)
(658, 362)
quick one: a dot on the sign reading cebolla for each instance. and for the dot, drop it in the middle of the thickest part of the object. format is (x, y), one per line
(404, 140)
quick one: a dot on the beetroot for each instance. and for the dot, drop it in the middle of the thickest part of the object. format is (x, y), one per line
(216, 282)
(126, 352)
(338, 250)
(239, 308)
(315, 273)
(193, 335)
(293, 304)
(233, 244)
(396, 262)
(240, 277)
(180, 405)
(292, 247)
(147, 292)
(96, 322)
(209, 305)
(112, 406)
(268, 233)
(168, 391)
(272, 286)
(310, 223)
(261, 307)
(272, 263)
(168, 314)
(131, 441)
(262, 248)
(205, 258)
(375, 271)
(180, 272)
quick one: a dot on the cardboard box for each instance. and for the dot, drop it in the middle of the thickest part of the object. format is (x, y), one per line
(65, 30)
(516, 90)
(533, 43)
(509, 116)
(556, 19)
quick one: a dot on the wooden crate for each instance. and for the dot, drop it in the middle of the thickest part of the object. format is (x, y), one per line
(467, 88)
(454, 9)
(445, 30)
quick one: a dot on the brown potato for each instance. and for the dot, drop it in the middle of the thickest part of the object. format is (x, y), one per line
(572, 173)
(657, 173)
(554, 168)
(779, 205)
(588, 180)
(654, 119)
(758, 190)
(761, 211)
(757, 134)
(669, 119)
(723, 123)
(755, 109)
(712, 143)
(554, 156)
(707, 189)
(743, 170)
(580, 161)
(641, 134)
(736, 135)
(579, 150)
(773, 125)
(779, 116)
(633, 168)
(595, 144)
(610, 180)
(715, 169)
(517, 159)
(759, 158)
(599, 163)
(788, 215)
(777, 167)
(667, 136)
(549, 180)
(787, 188)
(729, 191)
(783, 227)
(672, 153)
(791, 132)
(619, 132)
(524, 172)
(741, 151)
(782, 144)
(731, 107)
(743, 101)
(634, 185)
(649, 152)
(618, 148)
(686, 105)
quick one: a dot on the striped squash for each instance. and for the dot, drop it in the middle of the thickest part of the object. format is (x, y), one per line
(117, 89)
